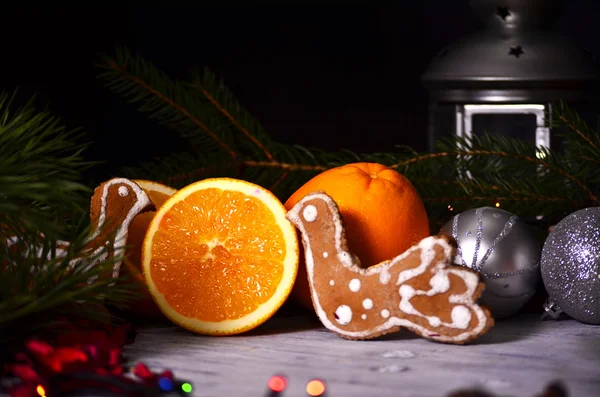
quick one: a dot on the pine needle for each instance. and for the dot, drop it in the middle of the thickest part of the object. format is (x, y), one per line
(40, 164)
(42, 201)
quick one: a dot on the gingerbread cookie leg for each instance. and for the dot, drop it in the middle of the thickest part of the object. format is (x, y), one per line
(419, 290)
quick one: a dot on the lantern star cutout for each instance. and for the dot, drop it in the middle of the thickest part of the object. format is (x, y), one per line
(502, 12)
(516, 51)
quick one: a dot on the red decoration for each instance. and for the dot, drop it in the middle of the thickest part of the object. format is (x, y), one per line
(75, 350)
(149, 377)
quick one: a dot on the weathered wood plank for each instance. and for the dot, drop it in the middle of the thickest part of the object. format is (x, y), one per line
(518, 357)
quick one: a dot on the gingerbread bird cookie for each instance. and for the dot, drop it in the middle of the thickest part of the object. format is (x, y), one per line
(113, 206)
(420, 290)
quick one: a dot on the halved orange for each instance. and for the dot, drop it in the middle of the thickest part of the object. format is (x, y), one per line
(132, 264)
(220, 257)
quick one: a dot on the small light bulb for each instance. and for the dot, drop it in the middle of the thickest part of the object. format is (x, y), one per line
(497, 204)
(40, 390)
(186, 387)
(450, 208)
(315, 388)
(165, 384)
(540, 154)
(277, 383)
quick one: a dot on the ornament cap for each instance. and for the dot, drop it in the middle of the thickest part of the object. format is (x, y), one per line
(551, 310)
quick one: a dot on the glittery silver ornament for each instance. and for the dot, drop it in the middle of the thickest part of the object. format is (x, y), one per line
(570, 265)
(502, 248)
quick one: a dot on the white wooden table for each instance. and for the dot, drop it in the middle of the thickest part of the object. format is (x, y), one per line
(518, 357)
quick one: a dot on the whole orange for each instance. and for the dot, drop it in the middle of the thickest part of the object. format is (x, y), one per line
(382, 211)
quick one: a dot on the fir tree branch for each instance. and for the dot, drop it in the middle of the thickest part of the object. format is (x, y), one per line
(210, 103)
(40, 167)
(581, 145)
(573, 122)
(494, 153)
(195, 174)
(279, 181)
(581, 135)
(180, 169)
(34, 284)
(158, 103)
(207, 82)
(513, 149)
(528, 180)
(285, 166)
(492, 197)
(590, 159)
(422, 157)
(41, 202)
(198, 173)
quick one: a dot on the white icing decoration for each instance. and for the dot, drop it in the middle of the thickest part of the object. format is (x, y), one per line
(325, 254)
(461, 316)
(10, 241)
(384, 276)
(123, 191)
(363, 316)
(332, 282)
(60, 251)
(440, 283)
(354, 285)
(426, 246)
(367, 304)
(310, 213)
(121, 235)
(343, 314)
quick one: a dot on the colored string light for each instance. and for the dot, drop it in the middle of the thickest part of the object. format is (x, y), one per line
(277, 383)
(186, 387)
(165, 384)
(315, 388)
(40, 390)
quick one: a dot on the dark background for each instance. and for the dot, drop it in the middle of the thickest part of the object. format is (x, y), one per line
(328, 76)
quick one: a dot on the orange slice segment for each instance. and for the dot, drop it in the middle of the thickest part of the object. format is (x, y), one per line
(157, 192)
(132, 264)
(220, 257)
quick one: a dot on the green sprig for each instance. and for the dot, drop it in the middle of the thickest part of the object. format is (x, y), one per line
(225, 140)
(42, 201)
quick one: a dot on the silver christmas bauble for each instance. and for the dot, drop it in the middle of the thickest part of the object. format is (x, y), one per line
(570, 265)
(502, 248)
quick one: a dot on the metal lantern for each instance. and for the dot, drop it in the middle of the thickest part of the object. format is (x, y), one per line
(503, 79)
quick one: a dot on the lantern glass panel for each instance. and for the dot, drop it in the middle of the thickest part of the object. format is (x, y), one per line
(523, 121)
(519, 126)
